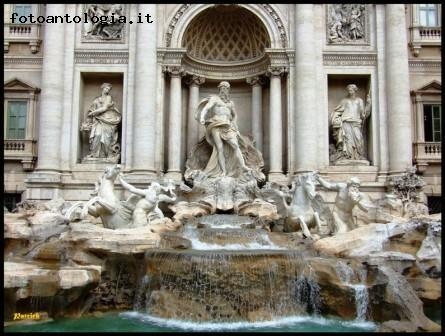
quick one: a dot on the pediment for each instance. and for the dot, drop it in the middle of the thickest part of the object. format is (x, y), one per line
(16, 84)
(432, 87)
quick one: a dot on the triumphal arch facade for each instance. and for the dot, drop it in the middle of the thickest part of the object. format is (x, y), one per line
(316, 87)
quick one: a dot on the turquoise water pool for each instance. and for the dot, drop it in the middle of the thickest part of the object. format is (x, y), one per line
(133, 321)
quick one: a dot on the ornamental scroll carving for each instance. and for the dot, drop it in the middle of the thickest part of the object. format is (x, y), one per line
(347, 23)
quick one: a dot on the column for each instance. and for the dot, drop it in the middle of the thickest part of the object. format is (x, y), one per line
(145, 113)
(174, 123)
(257, 113)
(275, 124)
(397, 84)
(420, 135)
(51, 106)
(193, 124)
(306, 112)
(381, 103)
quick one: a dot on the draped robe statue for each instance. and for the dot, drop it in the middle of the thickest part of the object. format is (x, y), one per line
(224, 151)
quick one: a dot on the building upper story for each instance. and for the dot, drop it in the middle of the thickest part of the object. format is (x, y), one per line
(188, 37)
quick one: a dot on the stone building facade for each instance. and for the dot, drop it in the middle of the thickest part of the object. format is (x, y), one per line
(288, 66)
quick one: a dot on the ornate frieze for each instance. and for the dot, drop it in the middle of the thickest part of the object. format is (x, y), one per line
(171, 56)
(347, 24)
(350, 59)
(100, 57)
(98, 29)
(23, 60)
(425, 66)
(229, 72)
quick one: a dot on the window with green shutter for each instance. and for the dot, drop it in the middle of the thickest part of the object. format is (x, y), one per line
(432, 121)
(16, 122)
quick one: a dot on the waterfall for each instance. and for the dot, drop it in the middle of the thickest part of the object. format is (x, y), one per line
(361, 301)
(223, 286)
(307, 291)
(142, 291)
(346, 274)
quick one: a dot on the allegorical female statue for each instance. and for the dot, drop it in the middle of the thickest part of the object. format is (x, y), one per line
(347, 122)
(102, 121)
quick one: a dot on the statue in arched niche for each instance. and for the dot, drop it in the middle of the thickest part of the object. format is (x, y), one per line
(102, 123)
(223, 151)
(347, 123)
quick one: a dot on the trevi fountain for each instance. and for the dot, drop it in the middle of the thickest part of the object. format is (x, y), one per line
(225, 249)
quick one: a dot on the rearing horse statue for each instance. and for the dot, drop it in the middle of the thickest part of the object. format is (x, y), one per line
(300, 213)
(106, 205)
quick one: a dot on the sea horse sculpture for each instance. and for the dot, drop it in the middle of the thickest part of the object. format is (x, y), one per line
(115, 214)
(306, 206)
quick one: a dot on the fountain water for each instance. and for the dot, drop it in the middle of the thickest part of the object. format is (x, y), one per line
(346, 275)
(223, 285)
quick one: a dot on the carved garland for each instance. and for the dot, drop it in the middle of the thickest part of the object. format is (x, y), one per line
(174, 21)
(268, 8)
(278, 23)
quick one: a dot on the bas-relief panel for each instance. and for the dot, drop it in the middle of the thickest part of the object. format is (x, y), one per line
(103, 24)
(347, 24)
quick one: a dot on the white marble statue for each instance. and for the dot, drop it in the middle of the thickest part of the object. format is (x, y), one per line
(223, 151)
(300, 213)
(105, 203)
(347, 123)
(139, 210)
(147, 207)
(348, 196)
(218, 115)
(102, 122)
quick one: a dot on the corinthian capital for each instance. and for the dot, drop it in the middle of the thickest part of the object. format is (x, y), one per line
(195, 80)
(174, 70)
(255, 80)
(276, 71)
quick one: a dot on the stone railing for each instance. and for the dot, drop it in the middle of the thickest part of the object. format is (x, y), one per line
(21, 150)
(22, 33)
(428, 151)
(430, 33)
(421, 36)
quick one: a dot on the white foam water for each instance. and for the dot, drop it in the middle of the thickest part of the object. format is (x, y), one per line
(266, 243)
(361, 301)
(244, 325)
(346, 273)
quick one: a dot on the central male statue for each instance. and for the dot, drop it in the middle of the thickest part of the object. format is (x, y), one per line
(218, 115)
